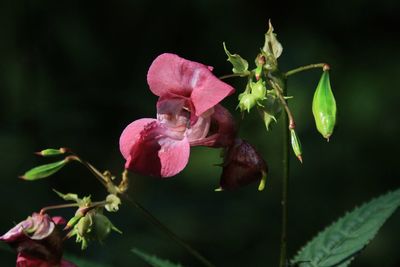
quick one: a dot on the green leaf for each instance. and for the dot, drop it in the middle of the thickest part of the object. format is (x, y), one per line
(153, 260)
(51, 152)
(239, 64)
(68, 197)
(339, 243)
(269, 109)
(44, 171)
(272, 47)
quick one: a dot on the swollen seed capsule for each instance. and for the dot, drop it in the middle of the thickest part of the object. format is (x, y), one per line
(324, 106)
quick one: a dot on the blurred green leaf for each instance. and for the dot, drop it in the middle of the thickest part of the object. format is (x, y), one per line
(153, 260)
(4, 247)
(84, 262)
(338, 244)
(44, 171)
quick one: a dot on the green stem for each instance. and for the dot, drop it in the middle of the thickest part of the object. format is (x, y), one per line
(62, 206)
(285, 187)
(167, 231)
(231, 76)
(324, 66)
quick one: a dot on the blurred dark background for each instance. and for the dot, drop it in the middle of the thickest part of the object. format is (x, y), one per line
(73, 73)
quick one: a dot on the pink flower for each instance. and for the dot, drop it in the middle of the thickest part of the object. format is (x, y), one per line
(242, 166)
(188, 114)
(37, 241)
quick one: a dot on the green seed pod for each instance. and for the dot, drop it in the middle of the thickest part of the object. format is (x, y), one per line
(296, 145)
(324, 106)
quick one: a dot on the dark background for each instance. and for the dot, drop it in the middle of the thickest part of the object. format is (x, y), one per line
(73, 73)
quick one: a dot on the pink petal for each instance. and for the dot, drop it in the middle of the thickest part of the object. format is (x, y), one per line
(200, 128)
(222, 131)
(131, 134)
(58, 220)
(171, 74)
(153, 149)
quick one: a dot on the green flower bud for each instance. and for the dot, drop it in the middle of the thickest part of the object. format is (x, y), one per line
(296, 145)
(324, 106)
(258, 90)
(246, 101)
(52, 152)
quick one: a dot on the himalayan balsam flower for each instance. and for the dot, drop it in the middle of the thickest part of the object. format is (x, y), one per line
(37, 241)
(188, 114)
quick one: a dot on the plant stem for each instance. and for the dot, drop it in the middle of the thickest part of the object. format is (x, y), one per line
(285, 187)
(281, 95)
(231, 76)
(167, 231)
(324, 66)
(62, 206)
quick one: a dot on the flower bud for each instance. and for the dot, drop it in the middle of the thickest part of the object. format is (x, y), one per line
(324, 106)
(296, 145)
(258, 90)
(242, 166)
(94, 226)
(246, 102)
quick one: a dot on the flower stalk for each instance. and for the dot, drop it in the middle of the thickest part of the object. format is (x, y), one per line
(324, 67)
(285, 182)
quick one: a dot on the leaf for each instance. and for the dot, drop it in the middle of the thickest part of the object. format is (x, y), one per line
(339, 243)
(44, 171)
(272, 47)
(68, 197)
(269, 109)
(153, 260)
(239, 64)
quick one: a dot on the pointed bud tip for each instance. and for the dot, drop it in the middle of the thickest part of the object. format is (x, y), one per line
(326, 67)
(300, 158)
(39, 153)
(22, 177)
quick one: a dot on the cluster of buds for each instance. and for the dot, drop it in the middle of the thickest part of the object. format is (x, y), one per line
(89, 223)
(266, 90)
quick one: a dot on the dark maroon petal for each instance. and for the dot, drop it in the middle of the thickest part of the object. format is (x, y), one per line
(222, 131)
(242, 165)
